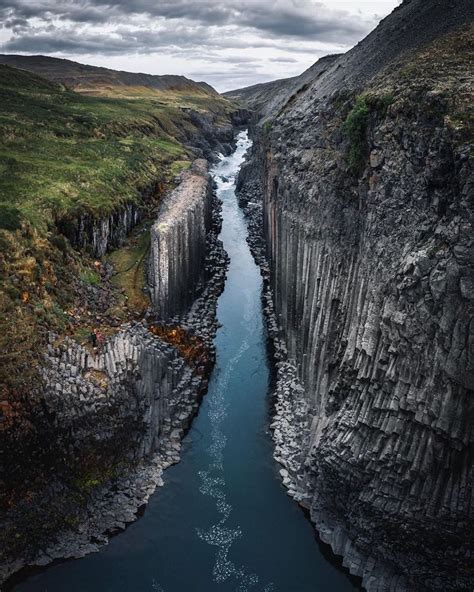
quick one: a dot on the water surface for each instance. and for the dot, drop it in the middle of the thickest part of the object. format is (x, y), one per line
(223, 521)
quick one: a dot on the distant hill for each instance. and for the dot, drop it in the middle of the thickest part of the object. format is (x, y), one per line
(410, 26)
(95, 80)
(268, 97)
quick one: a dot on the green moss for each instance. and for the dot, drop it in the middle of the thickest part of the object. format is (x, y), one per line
(178, 166)
(380, 103)
(81, 335)
(267, 126)
(87, 484)
(355, 126)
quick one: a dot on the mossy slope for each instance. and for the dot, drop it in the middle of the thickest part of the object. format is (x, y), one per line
(63, 154)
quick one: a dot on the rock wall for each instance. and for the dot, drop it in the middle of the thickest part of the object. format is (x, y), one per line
(97, 236)
(107, 423)
(137, 375)
(371, 268)
(178, 243)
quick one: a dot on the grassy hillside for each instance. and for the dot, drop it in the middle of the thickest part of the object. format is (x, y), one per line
(62, 154)
(100, 81)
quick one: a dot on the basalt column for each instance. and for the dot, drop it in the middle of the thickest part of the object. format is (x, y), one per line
(373, 292)
(178, 243)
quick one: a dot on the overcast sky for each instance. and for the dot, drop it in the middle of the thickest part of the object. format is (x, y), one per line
(228, 43)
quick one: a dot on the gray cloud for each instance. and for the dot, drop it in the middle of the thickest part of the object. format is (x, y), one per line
(303, 19)
(208, 31)
(177, 40)
(284, 60)
(122, 41)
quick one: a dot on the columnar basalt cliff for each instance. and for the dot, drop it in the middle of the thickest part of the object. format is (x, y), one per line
(178, 242)
(97, 236)
(367, 217)
(109, 422)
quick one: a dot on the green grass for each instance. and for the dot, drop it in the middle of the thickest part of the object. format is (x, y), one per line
(82, 334)
(91, 277)
(63, 153)
(129, 264)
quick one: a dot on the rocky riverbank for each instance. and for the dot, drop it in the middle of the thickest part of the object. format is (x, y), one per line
(119, 414)
(291, 420)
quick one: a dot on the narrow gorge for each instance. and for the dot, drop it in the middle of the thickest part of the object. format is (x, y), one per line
(237, 346)
(227, 450)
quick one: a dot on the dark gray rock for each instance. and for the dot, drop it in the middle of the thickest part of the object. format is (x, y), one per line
(369, 291)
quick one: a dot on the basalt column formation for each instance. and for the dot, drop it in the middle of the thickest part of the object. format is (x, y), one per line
(178, 242)
(367, 220)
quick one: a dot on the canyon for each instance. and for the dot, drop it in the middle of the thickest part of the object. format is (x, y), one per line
(355, 193)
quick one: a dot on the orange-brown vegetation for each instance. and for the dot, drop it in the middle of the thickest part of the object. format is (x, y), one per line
(190, 347)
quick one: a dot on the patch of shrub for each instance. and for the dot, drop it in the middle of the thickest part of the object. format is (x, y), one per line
(91, 277)
(13, 292)
(10, 218)
(4, 243)
(380, 103)
(59, 242)
(355, 126)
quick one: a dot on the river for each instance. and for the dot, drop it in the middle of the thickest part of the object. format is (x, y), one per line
(222, 522)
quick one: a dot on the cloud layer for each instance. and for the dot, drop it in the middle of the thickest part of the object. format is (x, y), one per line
(229, 43)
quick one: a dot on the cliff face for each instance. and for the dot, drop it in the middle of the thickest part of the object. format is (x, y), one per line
(97, 236)
(268, 98)
(368, 224)
(106, 422)
(178, 242)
